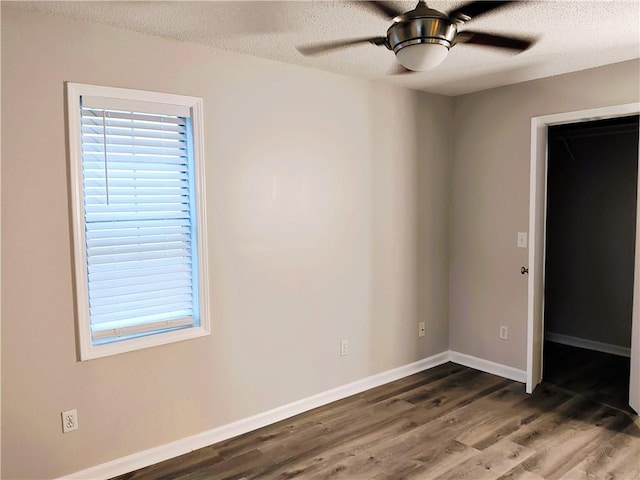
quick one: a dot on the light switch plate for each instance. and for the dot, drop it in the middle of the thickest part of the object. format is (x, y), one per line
(522, 239)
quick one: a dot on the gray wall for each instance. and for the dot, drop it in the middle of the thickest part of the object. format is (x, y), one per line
(591, 219)
(328, 215)
(361, 243)
(490, 200)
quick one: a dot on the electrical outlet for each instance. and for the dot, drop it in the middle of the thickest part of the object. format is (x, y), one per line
(504, 332)
(344, 347)
(69, 420)
(421, 329)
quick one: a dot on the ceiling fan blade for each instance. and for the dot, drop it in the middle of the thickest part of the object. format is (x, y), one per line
(327, 47)
(384, 9)
(491, 40)
(474, 9)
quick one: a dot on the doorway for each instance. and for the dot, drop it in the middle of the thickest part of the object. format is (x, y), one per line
(592, 174)
(537, 217)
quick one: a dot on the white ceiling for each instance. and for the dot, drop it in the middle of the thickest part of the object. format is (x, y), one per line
(571, 35)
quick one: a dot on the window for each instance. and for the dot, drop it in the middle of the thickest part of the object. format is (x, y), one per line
(137, 175)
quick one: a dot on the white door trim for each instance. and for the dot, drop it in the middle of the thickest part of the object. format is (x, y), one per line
(537, 216)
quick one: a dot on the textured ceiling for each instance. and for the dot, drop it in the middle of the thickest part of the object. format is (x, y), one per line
(571, 35)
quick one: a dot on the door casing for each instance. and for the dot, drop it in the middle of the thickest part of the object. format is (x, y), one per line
(537, 216)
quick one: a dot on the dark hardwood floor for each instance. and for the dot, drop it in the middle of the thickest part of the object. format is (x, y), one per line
(585, 372)
(450, 422)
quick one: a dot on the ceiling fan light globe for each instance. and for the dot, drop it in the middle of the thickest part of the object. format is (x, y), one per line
(420, 57)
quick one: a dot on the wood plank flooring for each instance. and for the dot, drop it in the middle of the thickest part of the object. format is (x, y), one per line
(450, 422)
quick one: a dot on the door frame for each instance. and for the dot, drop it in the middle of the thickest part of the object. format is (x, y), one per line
(537, 238)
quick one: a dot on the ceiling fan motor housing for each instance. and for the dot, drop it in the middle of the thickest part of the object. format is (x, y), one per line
(422, 25)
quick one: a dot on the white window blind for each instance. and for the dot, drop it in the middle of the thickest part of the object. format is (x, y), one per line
(139, 220)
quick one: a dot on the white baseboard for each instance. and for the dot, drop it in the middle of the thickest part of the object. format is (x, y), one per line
(154, 455)
(489, 366)
(588, 344)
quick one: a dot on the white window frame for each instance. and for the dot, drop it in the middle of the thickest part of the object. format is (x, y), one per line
(75, 91)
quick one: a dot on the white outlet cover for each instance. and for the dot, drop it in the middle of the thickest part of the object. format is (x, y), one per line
(69, 420)
(504, 332)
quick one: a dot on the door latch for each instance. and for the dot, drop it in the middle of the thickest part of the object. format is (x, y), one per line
(524, 271)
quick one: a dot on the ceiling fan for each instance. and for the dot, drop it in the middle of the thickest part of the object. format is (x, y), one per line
(421, 38)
